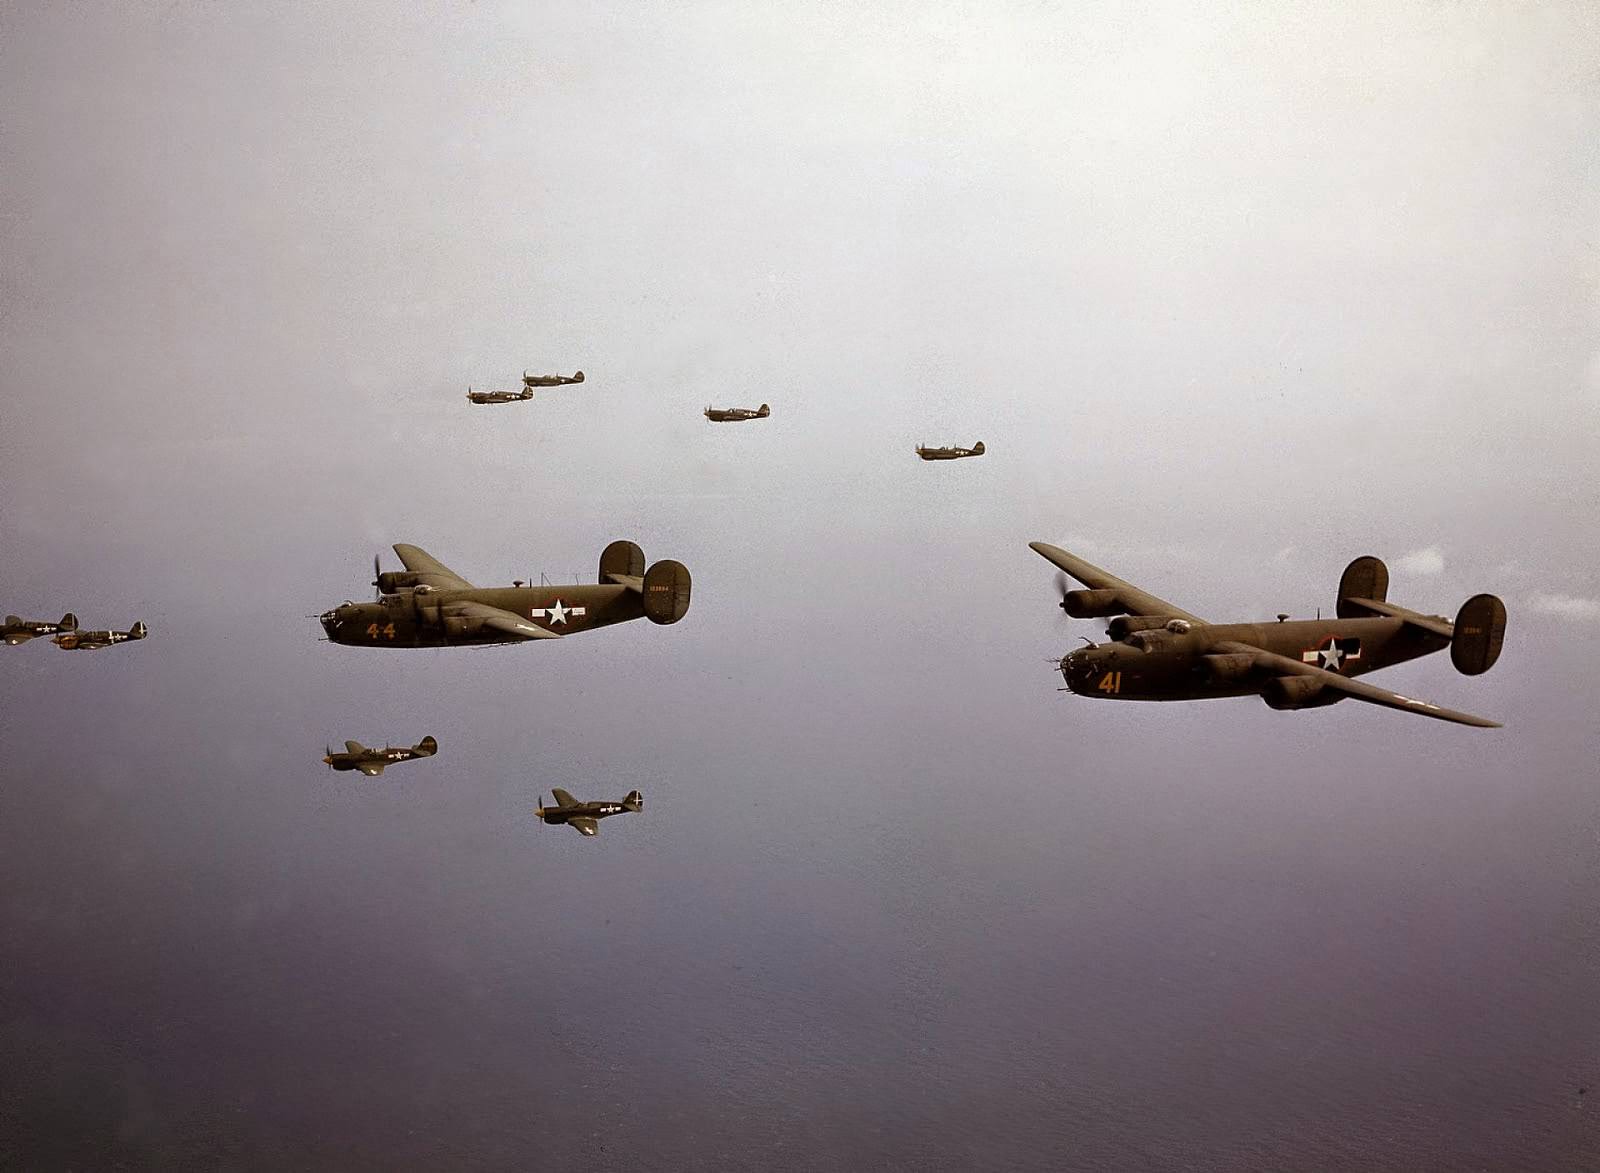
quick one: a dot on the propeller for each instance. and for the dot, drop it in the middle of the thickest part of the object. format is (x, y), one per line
(1063, 585)
(327, 757)
(377, 573)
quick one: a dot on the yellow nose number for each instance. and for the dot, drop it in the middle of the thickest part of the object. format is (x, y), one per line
(374, 631)
(1111, 682)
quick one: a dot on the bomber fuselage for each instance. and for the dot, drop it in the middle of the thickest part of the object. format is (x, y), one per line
(419, 619)
(1163, 665)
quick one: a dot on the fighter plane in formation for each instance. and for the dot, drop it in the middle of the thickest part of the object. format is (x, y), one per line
(19, 631)
(88, 641)
(584, 817)
(372, 761)
(499, 396)
(724, 415)
(1162, 653)
(428, 605)
(550, 380)
(949, 453)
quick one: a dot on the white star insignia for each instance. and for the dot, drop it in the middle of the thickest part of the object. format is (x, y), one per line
(1331, 656)
(558, 613)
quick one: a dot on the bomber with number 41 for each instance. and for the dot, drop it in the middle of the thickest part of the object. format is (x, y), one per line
(1162, 653)
(428, 605)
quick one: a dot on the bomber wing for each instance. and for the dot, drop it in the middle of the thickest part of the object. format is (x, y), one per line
(501, 620)
(1137, 602)
(429, 570)
(1359, 689)
(563, 798)
(584, 825)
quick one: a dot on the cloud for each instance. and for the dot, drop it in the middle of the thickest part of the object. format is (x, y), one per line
(1425, 563)
(1565, 606)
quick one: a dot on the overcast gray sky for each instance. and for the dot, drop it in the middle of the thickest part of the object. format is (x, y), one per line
(1232, 295)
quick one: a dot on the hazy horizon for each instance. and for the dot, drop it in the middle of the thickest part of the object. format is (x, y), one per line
(1231, 297)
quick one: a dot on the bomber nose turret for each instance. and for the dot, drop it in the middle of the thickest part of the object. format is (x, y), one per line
(1079, 667)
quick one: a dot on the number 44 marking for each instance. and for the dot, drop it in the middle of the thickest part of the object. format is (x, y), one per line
(1110, 682)
(373, 631)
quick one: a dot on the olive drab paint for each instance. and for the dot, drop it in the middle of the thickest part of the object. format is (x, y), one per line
(428, 605)
(1160, 652)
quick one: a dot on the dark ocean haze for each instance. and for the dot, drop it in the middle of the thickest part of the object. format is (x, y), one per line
(1231, 297)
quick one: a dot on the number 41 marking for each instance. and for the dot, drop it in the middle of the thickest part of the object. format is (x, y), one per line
(1110, 682)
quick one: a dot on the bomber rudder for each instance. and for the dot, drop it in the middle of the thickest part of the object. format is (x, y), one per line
(1365, 578)
(623, 558)
(1480, 629)
(666, 591)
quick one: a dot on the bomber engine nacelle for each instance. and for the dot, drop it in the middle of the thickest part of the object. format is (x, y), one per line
(1123, 626)
(1298, 692)
(666, 591)
(392, 582)
(1091, 604)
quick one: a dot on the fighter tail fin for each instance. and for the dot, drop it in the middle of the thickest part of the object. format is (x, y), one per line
(764, 412)
(138, 630)
(69, 622)
(426, 748)
(634, 801)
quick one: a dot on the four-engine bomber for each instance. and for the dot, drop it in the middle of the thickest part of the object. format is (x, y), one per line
(1162, 653)
(428, 605)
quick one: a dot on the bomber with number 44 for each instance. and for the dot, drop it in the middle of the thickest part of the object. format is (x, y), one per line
(428, 605)
(1162, 653)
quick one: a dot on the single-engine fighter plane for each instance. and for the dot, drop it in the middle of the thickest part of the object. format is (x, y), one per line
(550, 380)
(726, 415)
(428, 605)
(88, 641)
(1162, 653)
(499, 396)
(949, 453)
(372, 761)
(584, 817)
(19, 631)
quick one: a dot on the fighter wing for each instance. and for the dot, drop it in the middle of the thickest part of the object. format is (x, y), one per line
(429, 570)
(584, 825)
(563, 798)
(1362, 691)
(371, 769)
(501, 620)
(1137, 602)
